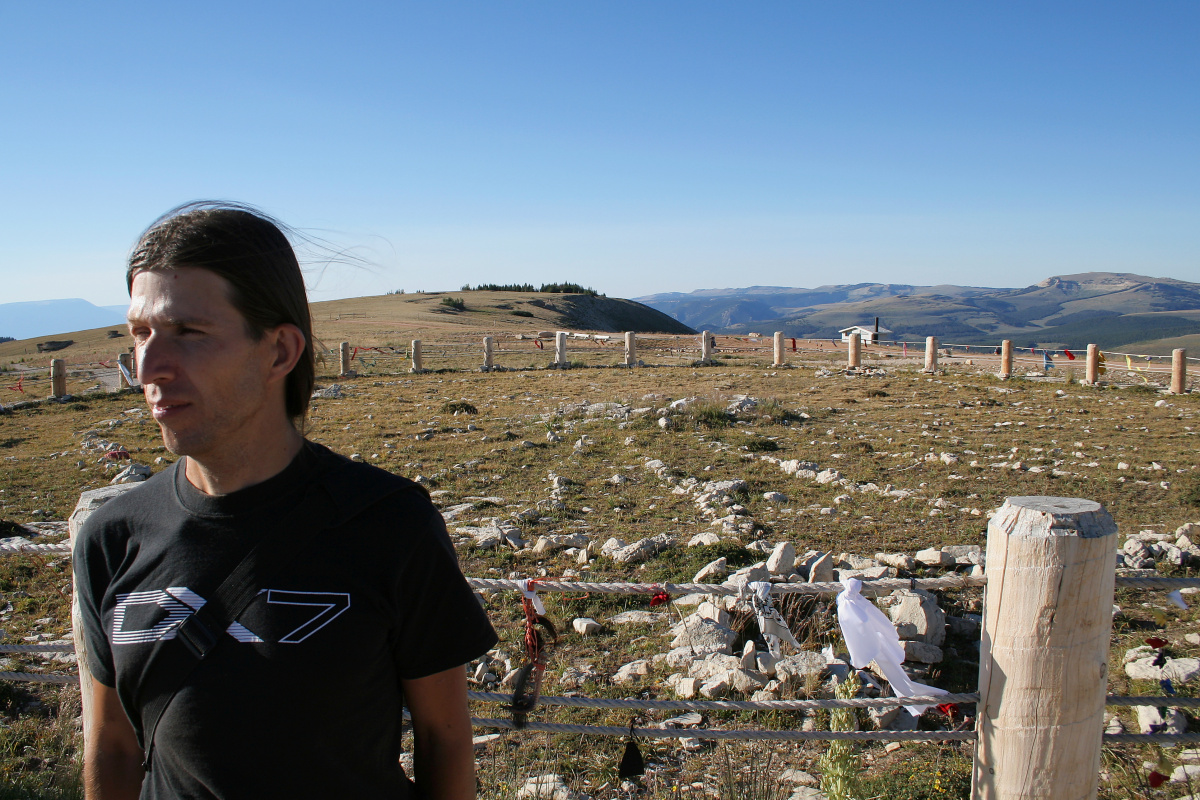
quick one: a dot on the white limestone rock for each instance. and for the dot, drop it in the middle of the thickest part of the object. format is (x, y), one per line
(586, 626)
(713, 569)
(632, 672)
(782, 559)
(934, 557)
(916, 615)
(922, 652)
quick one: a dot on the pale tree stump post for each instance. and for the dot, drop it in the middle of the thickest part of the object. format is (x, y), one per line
(854, 354)
(1043, 667)
(560, 349)
(88, 502)
(779, 352)
(705, 346)
(344, 358)
(1091, 372)
(124, 370)
(931, 354)
(417, 361)
(1178, 371)
(58, 377)
(487, 354)
(1006, 358)
(630, 349)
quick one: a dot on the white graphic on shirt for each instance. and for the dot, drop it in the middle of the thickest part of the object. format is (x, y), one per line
(331, 605)
(179, 602)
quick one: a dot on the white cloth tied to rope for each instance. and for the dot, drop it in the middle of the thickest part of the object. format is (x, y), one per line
(770, 622)
(532, 597)
(128, 378)
(870, 637)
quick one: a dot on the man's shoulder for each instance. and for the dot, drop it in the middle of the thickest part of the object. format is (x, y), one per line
(357, 486)
(123, 501)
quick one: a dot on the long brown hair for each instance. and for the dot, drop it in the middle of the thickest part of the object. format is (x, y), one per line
(251, 251)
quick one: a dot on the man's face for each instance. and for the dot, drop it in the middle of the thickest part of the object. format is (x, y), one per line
(206, 380)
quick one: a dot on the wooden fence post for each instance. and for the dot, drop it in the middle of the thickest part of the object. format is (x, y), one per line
(344, 358)
(1091, 372)
(417, 363)
(125, 366)
(1043, 666)
(1178, 371)
(58, 377)
(931, 354)
(854, 357)
(560, 349)
(630, 349)
(88, 502)
(779, 353)
(705, 346)
(1006, 358)
(487, 354)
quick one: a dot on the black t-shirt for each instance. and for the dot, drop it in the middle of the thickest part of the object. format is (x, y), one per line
(302, 697)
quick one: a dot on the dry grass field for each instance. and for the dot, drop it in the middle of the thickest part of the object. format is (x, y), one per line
(494, 447)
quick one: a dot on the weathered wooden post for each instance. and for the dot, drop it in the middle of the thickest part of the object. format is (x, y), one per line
(560, 349)
(931, 354)
(1178, 371)
(344, 358)
(417, 363)
(854, 357)
(487, 354)
(779, 352)
(705, 346)
(88, 502)
(1043, 666)
(125, 370)
(1091, 372)
(630, 349)
(58, 377)
(1006, 358)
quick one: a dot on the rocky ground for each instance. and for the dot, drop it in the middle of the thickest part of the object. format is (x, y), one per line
(729, 473)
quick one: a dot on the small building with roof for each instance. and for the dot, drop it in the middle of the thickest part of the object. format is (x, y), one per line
(866, 335)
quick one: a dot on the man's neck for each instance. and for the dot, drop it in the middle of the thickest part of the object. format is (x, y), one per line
(227, 472)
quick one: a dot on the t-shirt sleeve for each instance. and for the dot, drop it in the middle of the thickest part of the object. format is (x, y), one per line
(92, 578)
(442, 624)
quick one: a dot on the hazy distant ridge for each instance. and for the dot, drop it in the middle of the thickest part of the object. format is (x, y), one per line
(49, 317)
(1106, 308)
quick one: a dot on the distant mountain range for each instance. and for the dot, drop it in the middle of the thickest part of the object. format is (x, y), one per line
(1105, 308)
(48, 317)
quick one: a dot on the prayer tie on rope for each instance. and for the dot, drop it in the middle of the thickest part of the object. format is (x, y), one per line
(870, 637)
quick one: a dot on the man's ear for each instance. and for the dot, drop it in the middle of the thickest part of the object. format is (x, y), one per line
(287, 342)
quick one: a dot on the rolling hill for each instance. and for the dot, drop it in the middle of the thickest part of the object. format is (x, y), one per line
(1108, 309)
(396, 318)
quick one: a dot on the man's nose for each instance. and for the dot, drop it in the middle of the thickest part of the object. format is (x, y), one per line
(155, 359)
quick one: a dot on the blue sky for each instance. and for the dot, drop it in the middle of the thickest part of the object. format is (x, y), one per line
(633, 147)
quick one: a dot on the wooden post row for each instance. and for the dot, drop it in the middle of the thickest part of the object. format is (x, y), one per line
(854, 354)
(705, 346)
(1091, 372)
(931, 354)
(487, 354)
(630, 349)
(1006, 358)
(1043, 667)
(58, 377)
(125, 365)
(560, 348)
(417, 362)
(1178, 371)
(779, 352)
(344, 358)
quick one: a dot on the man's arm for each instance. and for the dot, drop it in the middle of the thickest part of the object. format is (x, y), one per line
(443, 756)
(112, 760)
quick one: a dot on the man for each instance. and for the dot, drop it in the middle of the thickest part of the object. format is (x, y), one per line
(355, 605)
